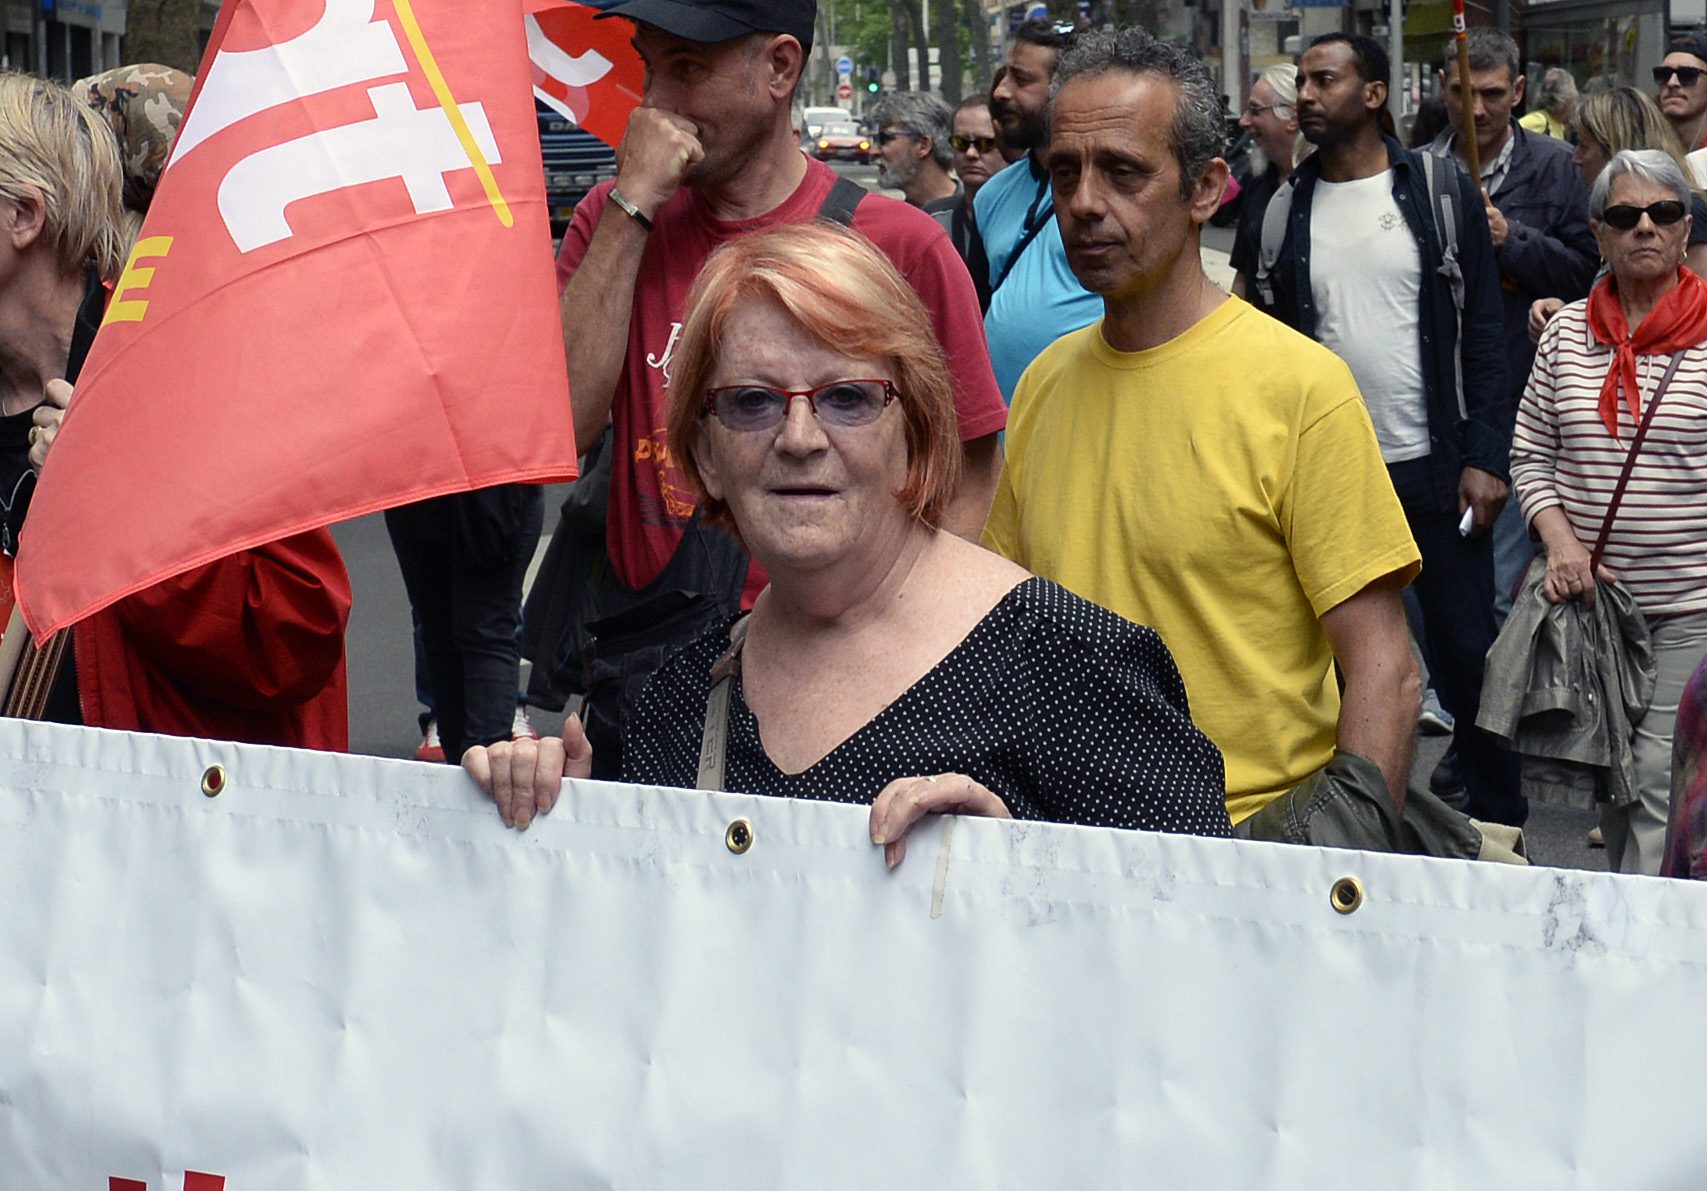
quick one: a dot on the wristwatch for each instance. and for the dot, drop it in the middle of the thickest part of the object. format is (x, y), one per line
(629, 209)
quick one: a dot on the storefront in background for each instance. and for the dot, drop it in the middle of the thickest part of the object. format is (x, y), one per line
(1605, 43)
(62, 39)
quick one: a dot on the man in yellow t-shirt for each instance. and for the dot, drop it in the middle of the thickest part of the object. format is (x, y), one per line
(1198, 467)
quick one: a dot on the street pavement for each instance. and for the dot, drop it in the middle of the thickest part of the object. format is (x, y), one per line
(383, 709)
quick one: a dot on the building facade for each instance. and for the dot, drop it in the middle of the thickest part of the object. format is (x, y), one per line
(61, 39)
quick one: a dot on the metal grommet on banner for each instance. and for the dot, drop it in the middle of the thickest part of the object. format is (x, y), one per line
(739, 837)
(213, 781)
(1346, 895)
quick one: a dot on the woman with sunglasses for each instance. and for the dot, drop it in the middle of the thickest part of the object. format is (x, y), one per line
(1625, 118)
(1599, 371)
(1609, 123)
(888, 663)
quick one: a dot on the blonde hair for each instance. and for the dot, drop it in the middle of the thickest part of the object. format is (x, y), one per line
(53, 145)
(1625, 118)
(840, 289)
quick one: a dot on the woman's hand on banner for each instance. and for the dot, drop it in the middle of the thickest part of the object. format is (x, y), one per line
(904, 801)
(524, 777)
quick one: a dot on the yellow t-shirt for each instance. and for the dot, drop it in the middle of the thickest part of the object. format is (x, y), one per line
(1225, 489)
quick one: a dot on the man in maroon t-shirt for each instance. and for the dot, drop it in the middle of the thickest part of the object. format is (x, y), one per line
(709, 156)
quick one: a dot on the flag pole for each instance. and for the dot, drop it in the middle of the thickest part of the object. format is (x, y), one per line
(13, 642)
(1466, 95)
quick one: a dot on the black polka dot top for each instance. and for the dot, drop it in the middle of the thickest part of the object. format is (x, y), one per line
(1064, 710)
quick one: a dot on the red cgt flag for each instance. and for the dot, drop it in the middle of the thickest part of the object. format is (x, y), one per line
(342, 300)
(584, 68)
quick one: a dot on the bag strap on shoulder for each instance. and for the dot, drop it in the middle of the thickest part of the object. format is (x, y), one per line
(1037, 217)
(714, 739)
(1630, 463)
(840, 203)
(1446, 209)
(1274, 220)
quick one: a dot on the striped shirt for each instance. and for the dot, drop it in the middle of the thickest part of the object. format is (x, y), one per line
(1562, 456)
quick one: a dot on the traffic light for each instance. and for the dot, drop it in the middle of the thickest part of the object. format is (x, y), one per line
(871, 78)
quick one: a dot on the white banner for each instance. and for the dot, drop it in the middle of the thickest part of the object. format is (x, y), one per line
(345, 973)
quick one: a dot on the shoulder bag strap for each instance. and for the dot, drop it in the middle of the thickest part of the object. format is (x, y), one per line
(1272, 240)
(1036, 220)
(839, 204)
(714, 740)
(1630, 462)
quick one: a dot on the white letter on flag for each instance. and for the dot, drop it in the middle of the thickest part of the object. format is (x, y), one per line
(403, 141)
(344, 46)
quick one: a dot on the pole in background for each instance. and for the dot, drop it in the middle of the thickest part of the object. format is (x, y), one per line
(1399, 90)
(1232, 61)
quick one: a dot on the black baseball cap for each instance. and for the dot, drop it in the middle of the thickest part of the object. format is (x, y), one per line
(722, 20)
(1689, 43)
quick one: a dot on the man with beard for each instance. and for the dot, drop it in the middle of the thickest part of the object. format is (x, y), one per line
(1271, 117)
(1034, 297)
(1363, 270)
(913, 153)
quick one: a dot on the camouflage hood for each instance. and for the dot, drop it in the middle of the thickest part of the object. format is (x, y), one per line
(145, 106)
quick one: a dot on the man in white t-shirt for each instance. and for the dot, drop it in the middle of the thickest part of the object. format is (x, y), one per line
(1360, 271)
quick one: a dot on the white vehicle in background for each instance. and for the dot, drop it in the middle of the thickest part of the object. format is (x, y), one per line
(816, 118)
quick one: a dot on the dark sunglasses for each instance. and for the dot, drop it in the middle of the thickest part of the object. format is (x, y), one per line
(889, 134)
(845, 404)
(1687, 76)
(984, 144)
(1624, 217)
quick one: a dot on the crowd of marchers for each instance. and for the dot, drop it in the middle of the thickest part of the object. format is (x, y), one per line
(988, 500)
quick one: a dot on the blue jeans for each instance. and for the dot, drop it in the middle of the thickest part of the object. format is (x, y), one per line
(1456, 595)
(1513, 550)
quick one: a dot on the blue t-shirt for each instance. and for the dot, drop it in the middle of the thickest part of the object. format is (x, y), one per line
(1040, 300)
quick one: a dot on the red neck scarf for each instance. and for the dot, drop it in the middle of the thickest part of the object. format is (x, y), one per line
(1677, 321)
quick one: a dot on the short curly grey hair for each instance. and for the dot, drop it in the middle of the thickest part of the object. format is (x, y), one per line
(1198, 133)
(921, 113)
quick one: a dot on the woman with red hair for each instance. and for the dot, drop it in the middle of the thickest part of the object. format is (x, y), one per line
(888, 663)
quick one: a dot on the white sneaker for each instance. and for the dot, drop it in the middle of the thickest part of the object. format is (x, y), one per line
(522, 728)
(430, 749)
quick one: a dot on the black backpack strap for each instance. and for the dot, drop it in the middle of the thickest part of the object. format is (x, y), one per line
(839, 204)
(1036, 219)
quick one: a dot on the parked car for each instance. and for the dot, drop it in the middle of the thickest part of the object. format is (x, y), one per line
(816, 118)
(842, 142)
(575, 162)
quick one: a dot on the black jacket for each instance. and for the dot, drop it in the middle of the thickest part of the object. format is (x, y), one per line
(1549, 251)
(1472, 430)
